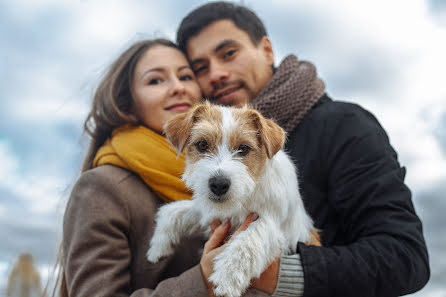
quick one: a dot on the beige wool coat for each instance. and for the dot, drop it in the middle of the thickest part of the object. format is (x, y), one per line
(108, 223)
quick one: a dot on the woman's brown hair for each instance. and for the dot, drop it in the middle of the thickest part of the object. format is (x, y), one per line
(112, 107)
(112, 102)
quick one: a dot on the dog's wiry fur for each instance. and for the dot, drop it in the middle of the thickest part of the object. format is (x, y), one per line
(263, 181)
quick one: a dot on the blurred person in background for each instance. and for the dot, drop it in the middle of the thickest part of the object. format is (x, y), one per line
(24, 280)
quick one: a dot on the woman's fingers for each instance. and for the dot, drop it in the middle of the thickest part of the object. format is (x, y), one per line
(219, 231)
(249, 219)
(214, 245)
(211, 249)
(217, 237)
(214, 224)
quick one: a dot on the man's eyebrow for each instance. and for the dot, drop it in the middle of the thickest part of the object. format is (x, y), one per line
(221, 45)
(196, 61)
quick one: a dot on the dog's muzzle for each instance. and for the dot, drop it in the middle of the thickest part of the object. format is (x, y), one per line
(219, 185)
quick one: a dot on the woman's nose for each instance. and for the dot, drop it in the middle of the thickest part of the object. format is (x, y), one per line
(177, 87)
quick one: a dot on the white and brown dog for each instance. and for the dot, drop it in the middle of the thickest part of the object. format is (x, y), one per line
(235, 166)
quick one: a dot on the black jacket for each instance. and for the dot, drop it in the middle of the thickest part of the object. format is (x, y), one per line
(353, 187)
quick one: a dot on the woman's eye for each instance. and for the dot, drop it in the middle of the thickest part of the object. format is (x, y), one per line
(243, 149)
(186, 77)
(155, 81)
(202, 146)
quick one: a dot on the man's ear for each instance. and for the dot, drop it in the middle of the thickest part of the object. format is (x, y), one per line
(271, 135)
(267, 48)
(177, 130)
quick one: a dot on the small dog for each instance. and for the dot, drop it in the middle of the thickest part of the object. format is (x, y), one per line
(235, 166)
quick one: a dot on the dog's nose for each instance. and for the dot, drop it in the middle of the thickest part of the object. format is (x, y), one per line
(219, 185)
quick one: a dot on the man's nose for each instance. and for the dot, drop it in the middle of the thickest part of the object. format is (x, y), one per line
(217, 73)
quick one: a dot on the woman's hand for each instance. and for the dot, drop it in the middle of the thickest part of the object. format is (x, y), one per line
(212, 248)
(216, 243)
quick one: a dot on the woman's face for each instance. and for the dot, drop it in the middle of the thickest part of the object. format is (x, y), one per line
(163, 86)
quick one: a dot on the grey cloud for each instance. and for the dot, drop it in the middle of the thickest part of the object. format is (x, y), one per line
(46, 148)
(42, 146)
(437, 5)
(27, 238)
(370, 72)
(32, 45)
(36, 33)
(437, 9)
(22, 233)
(299, 32)
(10, 202)
(309, 35)
(440, 132)
(430, 206)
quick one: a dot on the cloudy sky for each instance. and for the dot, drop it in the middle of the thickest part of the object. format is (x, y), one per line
(388, 56)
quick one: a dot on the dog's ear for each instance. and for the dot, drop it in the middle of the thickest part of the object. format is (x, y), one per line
(271, 135)
(177, 130)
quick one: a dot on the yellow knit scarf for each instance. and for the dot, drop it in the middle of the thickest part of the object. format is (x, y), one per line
(149, 155)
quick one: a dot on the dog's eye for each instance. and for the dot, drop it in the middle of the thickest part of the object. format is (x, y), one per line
(243, 149)
(202, 146)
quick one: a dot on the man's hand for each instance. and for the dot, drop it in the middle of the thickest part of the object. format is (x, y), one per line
(216, 243)
(267, 281)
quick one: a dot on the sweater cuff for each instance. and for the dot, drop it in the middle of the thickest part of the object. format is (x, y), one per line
(291, 277)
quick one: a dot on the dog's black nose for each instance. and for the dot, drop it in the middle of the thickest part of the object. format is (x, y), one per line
(219, 185)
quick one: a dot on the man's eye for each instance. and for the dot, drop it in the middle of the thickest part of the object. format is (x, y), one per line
(155, 81)
(243, 149)
(199, 69)
(202, 146)
(229, 54)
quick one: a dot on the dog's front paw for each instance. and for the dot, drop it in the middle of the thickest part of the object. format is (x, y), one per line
(158, 251)
(228, 282)
(227, 286)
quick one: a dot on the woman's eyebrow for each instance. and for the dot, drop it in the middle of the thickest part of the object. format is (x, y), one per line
(156, 69)
(160, 69)
(183, 67)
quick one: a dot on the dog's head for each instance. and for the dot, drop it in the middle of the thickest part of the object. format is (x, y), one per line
(226, 150)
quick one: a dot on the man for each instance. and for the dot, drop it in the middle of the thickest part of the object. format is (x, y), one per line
(350, 178)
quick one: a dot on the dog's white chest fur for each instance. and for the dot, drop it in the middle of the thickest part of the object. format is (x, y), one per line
(235, 166)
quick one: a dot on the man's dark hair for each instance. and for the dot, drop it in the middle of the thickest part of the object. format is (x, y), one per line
(201, 17)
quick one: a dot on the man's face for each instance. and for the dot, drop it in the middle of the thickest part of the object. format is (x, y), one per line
(230, 69)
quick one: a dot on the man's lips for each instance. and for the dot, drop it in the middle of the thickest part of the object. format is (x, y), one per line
(178, 107)
(226, 92)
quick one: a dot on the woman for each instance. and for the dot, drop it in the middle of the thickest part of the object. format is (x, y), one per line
(129, 171)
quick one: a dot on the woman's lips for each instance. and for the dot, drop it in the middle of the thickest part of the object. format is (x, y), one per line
(179, 107)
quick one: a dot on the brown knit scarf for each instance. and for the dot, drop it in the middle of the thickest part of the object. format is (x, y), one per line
(291, 92)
